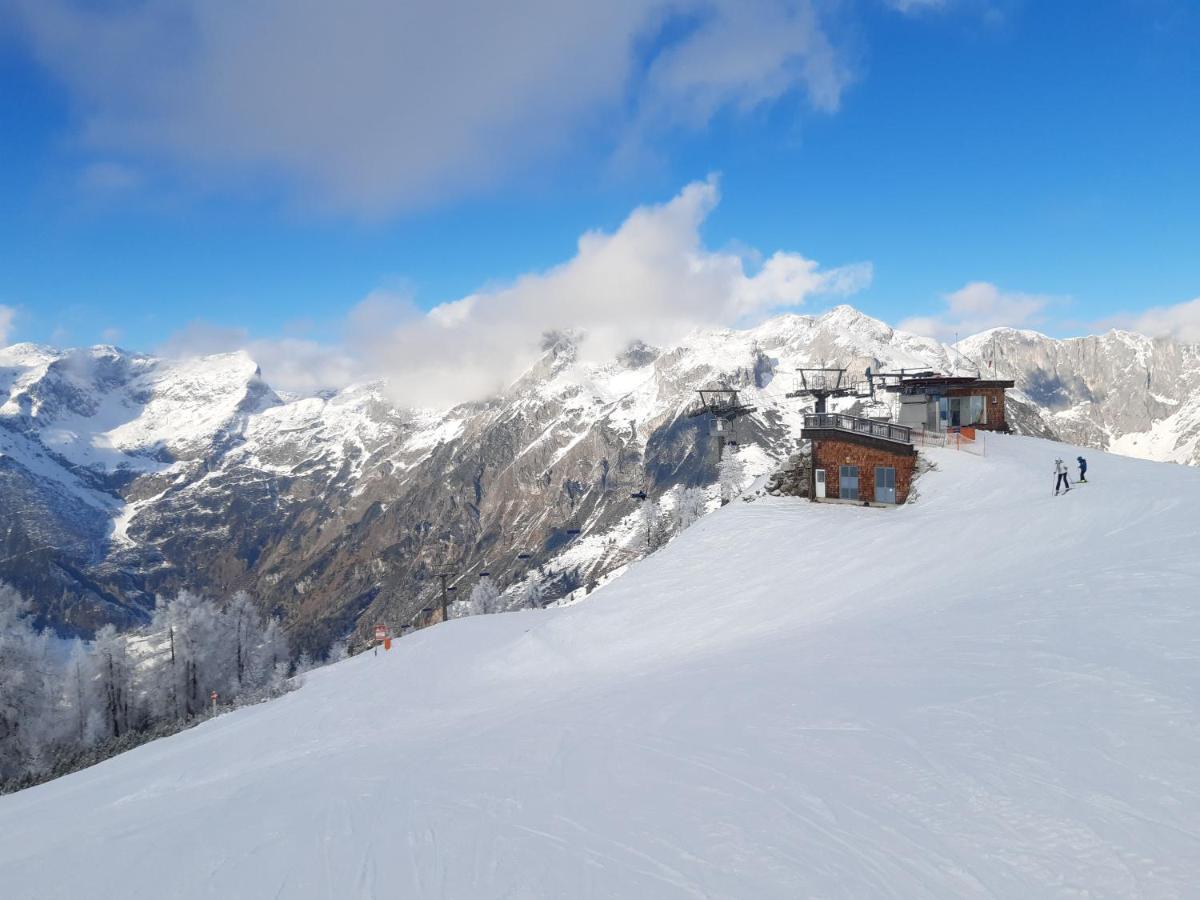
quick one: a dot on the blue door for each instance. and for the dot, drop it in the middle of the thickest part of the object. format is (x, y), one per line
(848, 482)
(885, 484)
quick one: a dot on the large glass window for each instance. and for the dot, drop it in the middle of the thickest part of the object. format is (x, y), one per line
(979, 410)
(885, 484)
(848, 482)
(955, 412)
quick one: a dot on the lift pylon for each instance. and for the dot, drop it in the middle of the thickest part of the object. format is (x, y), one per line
(823, 383)
(724, 405)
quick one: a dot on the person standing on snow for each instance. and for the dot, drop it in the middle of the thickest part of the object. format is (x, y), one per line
(1060, 483)
(1082, 469)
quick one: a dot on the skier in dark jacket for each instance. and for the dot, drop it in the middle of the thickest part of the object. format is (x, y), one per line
(1082, 469)
(1060, 484)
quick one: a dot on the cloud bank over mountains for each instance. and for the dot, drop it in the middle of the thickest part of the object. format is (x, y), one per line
(1180, 321)
(652, 279)
(978, 306)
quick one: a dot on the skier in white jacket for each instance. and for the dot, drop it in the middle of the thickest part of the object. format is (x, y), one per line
(1061, 485)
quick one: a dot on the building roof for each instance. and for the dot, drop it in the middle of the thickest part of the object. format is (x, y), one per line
(927, 383)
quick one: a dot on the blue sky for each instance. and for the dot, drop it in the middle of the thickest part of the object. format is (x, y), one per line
(163, 177)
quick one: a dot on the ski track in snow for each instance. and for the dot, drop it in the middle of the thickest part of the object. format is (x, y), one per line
(992, 692)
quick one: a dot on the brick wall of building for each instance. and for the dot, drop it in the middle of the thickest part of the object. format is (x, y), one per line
(996, 420)
(831, 454)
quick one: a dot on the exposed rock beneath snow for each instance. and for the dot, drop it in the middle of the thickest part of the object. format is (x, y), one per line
(123, 476)
(792, 478)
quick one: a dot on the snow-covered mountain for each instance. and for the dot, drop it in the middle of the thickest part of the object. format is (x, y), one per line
(1121, 391)
(989, 693)
(123, 476)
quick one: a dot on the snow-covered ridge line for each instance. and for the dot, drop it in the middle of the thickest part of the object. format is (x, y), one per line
(354, 497)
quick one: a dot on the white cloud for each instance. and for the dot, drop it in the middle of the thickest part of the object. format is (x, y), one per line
(916, 6)
(304, 366)
(978, 306)
(1180, 321)
(652, 279)
(8, 316)
(299, 365)
(375, 106)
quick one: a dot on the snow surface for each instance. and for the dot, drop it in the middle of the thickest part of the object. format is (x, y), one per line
(991, 692)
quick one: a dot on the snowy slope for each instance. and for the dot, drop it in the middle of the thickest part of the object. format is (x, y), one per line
(989, 692)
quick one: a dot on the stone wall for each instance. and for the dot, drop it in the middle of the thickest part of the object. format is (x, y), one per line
(830, 454)
(792, 478)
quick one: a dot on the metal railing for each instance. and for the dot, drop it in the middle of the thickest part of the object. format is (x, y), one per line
(928, 437)
(901, 434)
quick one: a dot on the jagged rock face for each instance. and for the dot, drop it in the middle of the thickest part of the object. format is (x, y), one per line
(123, 476)
(1119, 391)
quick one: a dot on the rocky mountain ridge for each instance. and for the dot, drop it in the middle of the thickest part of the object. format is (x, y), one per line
(123, 476)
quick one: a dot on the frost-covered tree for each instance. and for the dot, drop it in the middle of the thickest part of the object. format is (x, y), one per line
(114, 681)
(28, 713)
(304, 663)
(56, 706)
(533, 596)
(691, 505)
(339, 650)
(83, 725)
(484, 599)
(244, 623)
(647, 522)
(731, 475)
(202, 646)
(273, 656)
(193, 654)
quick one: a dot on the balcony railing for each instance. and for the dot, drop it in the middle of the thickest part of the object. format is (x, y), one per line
(901, 434)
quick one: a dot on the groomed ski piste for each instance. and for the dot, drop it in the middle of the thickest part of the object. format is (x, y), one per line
(990, 692)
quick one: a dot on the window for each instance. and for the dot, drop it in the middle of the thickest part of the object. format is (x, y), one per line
(978, 415)
(956, 412)
(848, 482)
(885, 484)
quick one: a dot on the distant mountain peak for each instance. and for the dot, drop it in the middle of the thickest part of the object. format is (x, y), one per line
(155, 473)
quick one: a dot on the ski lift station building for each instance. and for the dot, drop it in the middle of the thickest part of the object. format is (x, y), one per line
(944, 402)
(859, 460)
(872, 461)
